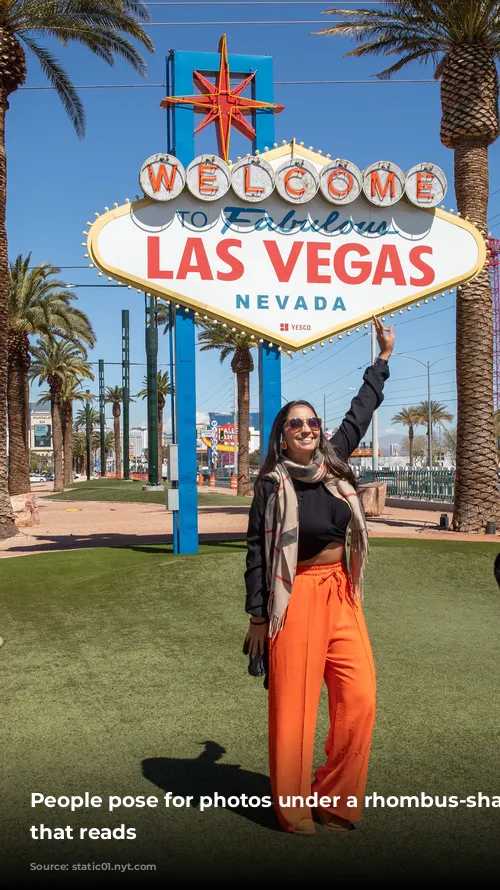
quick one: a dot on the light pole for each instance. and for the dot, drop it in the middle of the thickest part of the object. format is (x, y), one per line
(428, 366)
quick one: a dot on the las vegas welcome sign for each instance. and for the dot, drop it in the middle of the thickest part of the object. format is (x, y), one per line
(288, 245)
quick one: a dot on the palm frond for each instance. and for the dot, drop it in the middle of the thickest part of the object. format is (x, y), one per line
(57, 76)
(418, 30)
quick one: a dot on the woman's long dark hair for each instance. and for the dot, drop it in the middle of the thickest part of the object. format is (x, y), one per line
(334, 462)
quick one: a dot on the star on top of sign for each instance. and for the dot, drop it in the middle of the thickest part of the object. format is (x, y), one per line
(223, 106)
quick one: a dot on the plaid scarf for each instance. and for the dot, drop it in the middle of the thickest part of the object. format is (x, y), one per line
(282, 517)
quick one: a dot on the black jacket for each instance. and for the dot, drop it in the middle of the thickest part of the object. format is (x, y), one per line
(345, 440)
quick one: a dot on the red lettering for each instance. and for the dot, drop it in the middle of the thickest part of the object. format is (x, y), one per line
(161, 178)
(424, 185)
(428, 274)
(381, 190)
(362, 267)
(154, 270)
(194, 260)
(295, 171)
(336, 193)
(314, 261)
(389, 266)
(283, 269)
(251, 189)
(237, 268)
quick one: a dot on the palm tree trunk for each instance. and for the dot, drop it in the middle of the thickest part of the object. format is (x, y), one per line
(476, 491)
(410, 439)
(18, 414)
(57, 440)
(7, 526)
(118, 450)
(67, 433)
(243, 378)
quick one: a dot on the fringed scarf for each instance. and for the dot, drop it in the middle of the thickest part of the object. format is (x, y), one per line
(282, 525)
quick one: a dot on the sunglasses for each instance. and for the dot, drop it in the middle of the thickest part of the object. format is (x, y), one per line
(296, 423)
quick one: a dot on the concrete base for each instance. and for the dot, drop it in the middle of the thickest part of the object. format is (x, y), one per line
(25, 510)
(152, 488)
(372, 497)
(414, 504)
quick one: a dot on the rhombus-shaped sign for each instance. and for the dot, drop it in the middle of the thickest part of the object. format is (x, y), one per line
(289, 267)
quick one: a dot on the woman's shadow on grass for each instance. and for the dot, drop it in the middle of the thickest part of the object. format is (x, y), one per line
(205, 776)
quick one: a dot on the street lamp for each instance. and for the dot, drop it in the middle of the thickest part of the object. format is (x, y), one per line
(427, 365)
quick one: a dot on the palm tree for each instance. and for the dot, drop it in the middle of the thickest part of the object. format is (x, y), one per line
(104, 27)
(38, 304)
(79, 448)
(54, 361)
(94, 421)
(409, 417)
(450, 441)
(238, 345)
(164, 390)
(114, 396)
(439, 414)
(461, 38)
(81, 418)
(71, 392)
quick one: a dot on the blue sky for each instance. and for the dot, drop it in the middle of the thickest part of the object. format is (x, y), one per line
(56, 183)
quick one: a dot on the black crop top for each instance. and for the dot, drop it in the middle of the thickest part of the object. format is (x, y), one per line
(323, 518)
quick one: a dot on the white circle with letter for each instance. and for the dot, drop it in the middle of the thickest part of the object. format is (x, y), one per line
(383, 183)
(252, 179)
(340, 182)
(208, 178)
(162, 177)
(297, 181)
(426, 185)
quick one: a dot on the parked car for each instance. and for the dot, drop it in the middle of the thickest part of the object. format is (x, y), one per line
(36, 477)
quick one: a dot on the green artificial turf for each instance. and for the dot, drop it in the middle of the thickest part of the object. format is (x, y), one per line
(122, 674)
(116, 490)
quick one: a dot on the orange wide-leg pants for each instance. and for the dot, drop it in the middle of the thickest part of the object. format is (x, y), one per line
(324, 636)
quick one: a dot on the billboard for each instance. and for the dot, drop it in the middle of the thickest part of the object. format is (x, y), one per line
(42, 435)
(288, 245)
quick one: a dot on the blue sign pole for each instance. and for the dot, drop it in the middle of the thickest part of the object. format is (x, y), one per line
(269, 392)
(180, 136)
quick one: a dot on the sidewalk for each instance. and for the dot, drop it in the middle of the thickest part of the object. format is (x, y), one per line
(72, 525)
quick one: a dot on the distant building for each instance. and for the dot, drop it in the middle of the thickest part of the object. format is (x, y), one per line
(138, 438)
(395, 449)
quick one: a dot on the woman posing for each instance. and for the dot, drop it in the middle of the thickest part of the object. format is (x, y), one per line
(306, 604)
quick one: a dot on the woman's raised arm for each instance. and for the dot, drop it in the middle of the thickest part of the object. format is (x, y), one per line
(369, 397)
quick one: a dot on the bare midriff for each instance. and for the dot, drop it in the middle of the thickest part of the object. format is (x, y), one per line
(332, 553)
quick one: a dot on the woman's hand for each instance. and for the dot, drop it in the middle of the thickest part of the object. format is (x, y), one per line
(385, 338)
(256, 638)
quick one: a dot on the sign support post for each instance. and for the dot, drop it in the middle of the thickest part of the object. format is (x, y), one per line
(375, 413)
(126, 396)
(152, 387)
(269, 392)
(101, 416)
(185, 385)
(88, 434)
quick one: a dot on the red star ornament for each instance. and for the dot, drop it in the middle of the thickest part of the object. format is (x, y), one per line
(223, 106)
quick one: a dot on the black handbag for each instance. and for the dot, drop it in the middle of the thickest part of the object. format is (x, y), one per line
(258, 665)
